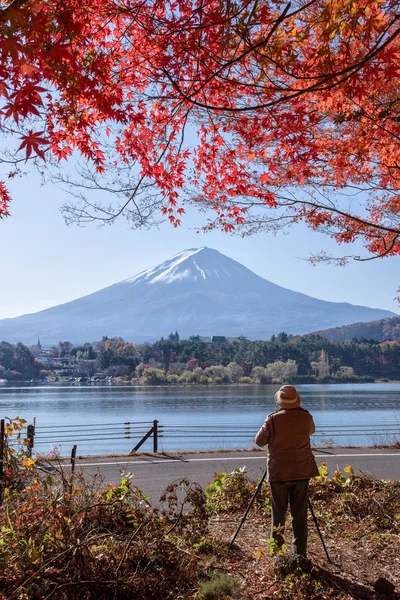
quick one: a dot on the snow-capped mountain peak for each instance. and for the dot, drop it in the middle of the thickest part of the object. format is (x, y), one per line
(195, 264)
(198, 291)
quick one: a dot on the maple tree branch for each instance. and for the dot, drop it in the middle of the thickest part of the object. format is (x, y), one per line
(353, 68)
(353, 218)
(285, 202)
(318, 86)
(231, 62)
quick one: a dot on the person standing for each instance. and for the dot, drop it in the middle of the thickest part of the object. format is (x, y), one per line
(291, 464)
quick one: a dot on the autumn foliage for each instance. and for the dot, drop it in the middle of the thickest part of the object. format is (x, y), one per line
(66, 536)
(261, 110)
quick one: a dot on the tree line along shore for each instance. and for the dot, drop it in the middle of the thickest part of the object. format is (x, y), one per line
(298, 359)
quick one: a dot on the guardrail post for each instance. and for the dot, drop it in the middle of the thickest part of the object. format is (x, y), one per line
(155, 436)
(31, 438)
(153, 431)
(73, 458)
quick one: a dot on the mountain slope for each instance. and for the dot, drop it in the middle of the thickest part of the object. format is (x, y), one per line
(384, 329)
(198, 291)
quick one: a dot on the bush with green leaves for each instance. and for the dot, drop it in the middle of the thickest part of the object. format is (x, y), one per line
(172, 378)
(233, 491)
(346, 495)
(151, 376)
(66, 537)
(192, 376)
(220, 587)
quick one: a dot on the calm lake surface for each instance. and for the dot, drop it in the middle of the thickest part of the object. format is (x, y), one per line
(93, 417)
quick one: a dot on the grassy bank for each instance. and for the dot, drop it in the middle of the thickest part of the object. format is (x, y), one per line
(65, 537)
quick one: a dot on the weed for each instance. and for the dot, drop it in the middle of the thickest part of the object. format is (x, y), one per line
(220, 587)
(233, 491)
(273, 547)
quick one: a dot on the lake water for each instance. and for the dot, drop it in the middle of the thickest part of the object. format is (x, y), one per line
(200, 417)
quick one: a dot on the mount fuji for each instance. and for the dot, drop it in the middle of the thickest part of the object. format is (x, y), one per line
(198, 291)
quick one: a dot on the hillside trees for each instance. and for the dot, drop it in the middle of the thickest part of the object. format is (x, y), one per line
(64, 349)
(384, 329)
(115, 351)
(268, 113)
(84, 352)
(17, 362)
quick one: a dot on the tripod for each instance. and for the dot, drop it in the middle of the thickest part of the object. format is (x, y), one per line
(242, 520)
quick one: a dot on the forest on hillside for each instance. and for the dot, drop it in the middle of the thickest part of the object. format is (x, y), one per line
(382, 330)
(172, 360)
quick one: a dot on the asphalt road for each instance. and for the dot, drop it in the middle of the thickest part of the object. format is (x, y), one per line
(153, 473)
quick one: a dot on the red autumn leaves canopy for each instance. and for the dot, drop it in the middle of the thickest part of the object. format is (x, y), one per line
(291, 103)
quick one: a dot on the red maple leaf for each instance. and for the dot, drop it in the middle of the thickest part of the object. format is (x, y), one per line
(4, 200)
(32, 142)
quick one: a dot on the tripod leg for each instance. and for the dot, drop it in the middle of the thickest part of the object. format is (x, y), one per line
(318, 529)
(242, 520)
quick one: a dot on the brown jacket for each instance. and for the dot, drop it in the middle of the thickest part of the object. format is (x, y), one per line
(287, 433)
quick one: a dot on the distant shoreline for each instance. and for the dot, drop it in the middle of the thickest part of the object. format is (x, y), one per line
(191, 385)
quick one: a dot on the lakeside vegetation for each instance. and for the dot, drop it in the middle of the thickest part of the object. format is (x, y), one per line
(66, 537)
(298, 359)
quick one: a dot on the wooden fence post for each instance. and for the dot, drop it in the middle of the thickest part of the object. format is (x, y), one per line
(155, 436)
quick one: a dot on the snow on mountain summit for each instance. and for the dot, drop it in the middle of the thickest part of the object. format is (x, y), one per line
(195, 264)
(168, 271)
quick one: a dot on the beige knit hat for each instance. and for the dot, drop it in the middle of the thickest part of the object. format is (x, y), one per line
(287, 397)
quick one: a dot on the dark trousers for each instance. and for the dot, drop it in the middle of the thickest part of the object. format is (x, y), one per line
(295, 493)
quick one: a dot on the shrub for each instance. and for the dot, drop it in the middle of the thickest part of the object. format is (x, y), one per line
(218, 374)
(219, 587)
(245, 380)
(232, 491)
(63, 536)
(152, 376)
(281, 371)
(261, 375)
(140, 368)
(172, 378)
(235, 371)
(188, 377)
(357, 497)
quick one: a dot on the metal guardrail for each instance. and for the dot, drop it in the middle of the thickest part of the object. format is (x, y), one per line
(53, 434)
(140, 431)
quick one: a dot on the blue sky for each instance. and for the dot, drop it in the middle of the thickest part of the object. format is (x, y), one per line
(45, 263)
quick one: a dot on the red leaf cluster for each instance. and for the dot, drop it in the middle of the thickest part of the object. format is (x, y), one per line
(290, 104)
